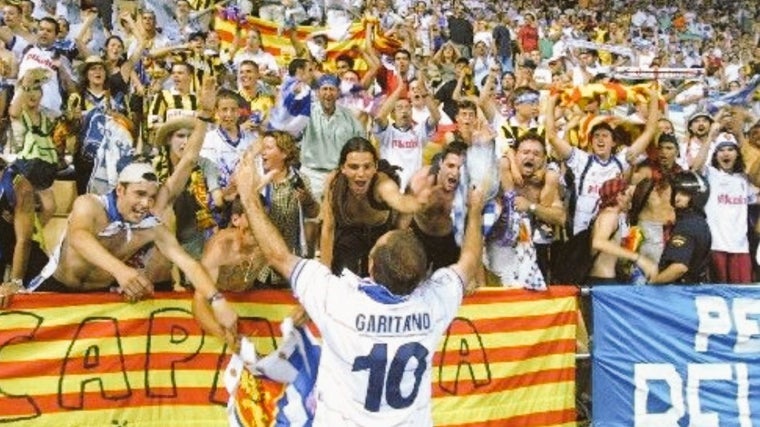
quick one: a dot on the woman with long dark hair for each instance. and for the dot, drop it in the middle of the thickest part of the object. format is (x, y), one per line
(362, 198)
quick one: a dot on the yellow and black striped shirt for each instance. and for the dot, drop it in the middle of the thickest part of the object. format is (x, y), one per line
(168, 104)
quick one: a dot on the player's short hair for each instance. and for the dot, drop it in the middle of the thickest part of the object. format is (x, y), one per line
(400, 264)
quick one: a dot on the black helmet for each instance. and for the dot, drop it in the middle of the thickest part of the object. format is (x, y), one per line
(692, 184)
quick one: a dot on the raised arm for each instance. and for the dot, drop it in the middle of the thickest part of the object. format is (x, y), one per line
(486, 99)
(381, 117)
(327, 234)
(204, 287)
(81, 235)
(387, 190)
(430, 102)
(23, 228)
(267, 236)
(700, 160)
(646, 137)
(373, 65)
(560, 145)
(472, 246)
(177, 180)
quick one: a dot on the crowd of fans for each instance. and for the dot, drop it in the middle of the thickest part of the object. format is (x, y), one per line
(522, 101)
(477, 93)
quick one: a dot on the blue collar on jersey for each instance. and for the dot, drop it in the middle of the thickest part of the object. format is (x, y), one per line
(380, 293)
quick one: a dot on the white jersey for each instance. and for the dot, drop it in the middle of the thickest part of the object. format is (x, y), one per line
(403, 147)
(377, 348)
(597, 173)
(222, 151)
(44, 58)
(726, 210)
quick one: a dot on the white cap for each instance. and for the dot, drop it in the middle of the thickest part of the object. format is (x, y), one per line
(138, 172)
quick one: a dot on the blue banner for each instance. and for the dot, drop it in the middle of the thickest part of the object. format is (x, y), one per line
(676, 356)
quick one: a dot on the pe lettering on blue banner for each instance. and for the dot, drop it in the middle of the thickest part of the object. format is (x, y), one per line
(680, 356)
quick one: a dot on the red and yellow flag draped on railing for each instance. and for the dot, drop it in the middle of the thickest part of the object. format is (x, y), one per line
(92, 360)
(277, 42)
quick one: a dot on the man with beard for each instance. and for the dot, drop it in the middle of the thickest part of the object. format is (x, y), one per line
(534, 200)
(402, 142)
(698, 127)
(433, 224)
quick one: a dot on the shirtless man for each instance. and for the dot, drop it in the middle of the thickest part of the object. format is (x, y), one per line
(232, 256)
(535, 198)
(651, 209)
(432, 224)
(105, 232)
(233, 260)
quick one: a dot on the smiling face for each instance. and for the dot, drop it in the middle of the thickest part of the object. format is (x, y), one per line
(134, 201)
(449, 172)
(359, 168)
(248, 75)
(327, 96)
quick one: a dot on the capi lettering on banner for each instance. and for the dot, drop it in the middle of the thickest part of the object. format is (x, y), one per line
(646, 374)
(83, 367)
(721, 316)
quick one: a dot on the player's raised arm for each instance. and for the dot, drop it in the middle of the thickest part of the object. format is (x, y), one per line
(266, 234)
(472, 246)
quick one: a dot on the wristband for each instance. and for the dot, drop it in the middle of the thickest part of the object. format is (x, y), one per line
(215, 297)
(205, 119)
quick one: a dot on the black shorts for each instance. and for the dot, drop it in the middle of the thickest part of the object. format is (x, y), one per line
(441, 251)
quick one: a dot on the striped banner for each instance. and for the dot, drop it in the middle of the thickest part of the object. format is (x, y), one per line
(278, 44)
(87, 359)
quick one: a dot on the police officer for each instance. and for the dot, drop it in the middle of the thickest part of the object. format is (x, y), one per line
(686, 255)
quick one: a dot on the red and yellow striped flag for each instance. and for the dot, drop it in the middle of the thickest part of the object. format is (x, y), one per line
(278, 43)
(93, 360)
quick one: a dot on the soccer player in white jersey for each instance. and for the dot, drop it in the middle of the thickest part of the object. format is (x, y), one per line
(379, 333)
(401, 143)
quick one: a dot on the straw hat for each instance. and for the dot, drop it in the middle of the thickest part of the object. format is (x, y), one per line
(171, 126)
(90, 62)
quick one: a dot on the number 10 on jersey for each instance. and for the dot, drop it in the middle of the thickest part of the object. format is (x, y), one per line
(384, 378)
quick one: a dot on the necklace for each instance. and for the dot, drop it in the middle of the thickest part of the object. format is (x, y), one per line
(247, 264)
